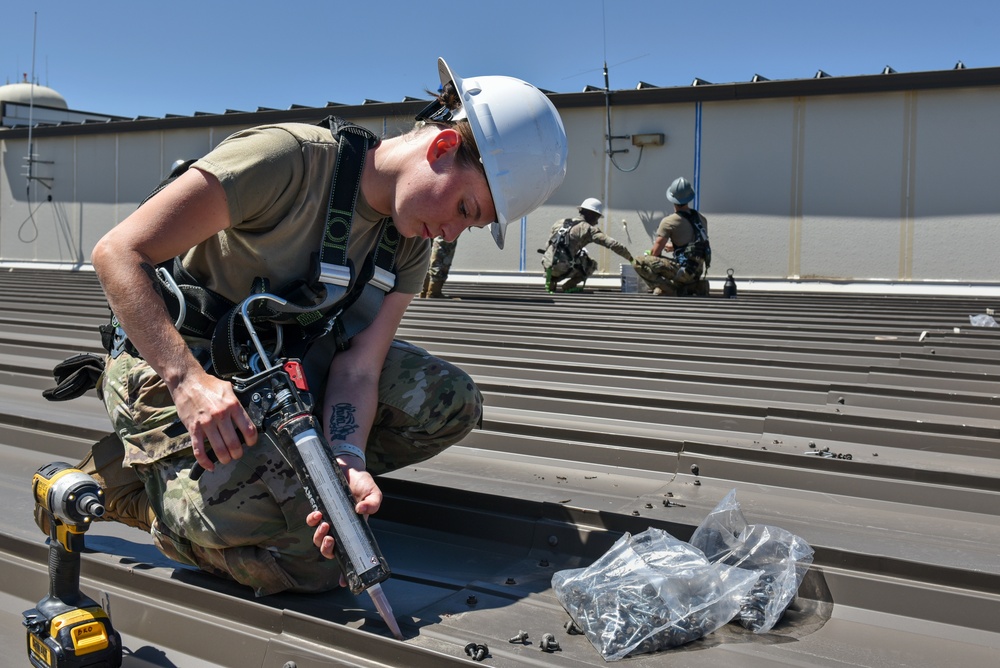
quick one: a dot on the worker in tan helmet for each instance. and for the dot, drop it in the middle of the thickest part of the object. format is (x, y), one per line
(566, 257)
(685, 234)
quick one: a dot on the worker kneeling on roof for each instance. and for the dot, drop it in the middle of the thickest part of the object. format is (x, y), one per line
(302, 210)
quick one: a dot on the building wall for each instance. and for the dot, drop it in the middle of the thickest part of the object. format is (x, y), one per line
(882, 185)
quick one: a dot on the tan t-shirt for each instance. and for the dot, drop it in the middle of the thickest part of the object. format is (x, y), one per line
(277, 181)
(678, 230)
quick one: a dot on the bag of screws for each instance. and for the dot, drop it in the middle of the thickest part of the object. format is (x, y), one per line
(781, 558)
(650, 592)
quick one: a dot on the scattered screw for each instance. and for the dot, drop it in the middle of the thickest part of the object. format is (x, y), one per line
(521, 637)
(549, 643)
(840, 400)
(635, 513)
(697, 482)
(649, 505)
(572, 628)
(510, 581)
(477, 652)
(812, 444)
(472, 600)
(694, 469)
(553, 541)
(289, 664)
(544, 563)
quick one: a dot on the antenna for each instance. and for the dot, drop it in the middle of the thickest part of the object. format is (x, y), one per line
(31, 159)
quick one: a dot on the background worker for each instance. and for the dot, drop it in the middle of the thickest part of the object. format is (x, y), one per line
(256, 207)
(442, 255)
(566, 258)
(685, 233)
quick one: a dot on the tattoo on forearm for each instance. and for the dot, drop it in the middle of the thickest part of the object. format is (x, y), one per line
(342, 423)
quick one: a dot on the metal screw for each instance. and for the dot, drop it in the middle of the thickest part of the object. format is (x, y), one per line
(544, 563)
(553, 541)
(510, 581)
(472, 600)
(572, 628)
(289, 664)
(694, 469)
(521, 637)
(549, 643)
(477, 652)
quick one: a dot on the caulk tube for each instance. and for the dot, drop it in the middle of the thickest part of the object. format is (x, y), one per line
(327, 489)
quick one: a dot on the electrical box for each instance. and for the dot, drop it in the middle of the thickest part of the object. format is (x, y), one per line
(649, 139)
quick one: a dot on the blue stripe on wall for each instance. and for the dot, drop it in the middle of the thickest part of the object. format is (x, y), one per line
(697, 156)
(524, 244)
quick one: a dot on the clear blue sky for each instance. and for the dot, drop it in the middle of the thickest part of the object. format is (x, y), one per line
(143, 58)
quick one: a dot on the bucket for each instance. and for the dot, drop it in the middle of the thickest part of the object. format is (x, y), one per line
(631, 283)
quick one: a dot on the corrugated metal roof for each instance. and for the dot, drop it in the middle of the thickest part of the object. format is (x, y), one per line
(606, 413)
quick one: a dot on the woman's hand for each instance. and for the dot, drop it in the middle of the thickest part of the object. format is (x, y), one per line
(209, 409)
(367, 496)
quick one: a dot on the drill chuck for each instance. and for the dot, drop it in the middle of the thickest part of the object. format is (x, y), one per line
(69, 494)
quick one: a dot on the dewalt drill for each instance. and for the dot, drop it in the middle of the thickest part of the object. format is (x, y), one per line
(67, 629)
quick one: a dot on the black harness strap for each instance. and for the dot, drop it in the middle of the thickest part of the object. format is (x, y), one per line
(332, 290)
(339, 285)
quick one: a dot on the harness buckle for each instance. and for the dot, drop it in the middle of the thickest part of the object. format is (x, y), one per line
(383, 279)
(334, 274)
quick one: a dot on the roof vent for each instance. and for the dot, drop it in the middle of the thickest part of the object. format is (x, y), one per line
(888, 70)
(700, 82)
(820, 74)
(758, 77)
(960, 65)
(642, 84)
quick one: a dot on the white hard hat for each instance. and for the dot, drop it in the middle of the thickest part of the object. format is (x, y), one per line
(521, 140)
(593, 204)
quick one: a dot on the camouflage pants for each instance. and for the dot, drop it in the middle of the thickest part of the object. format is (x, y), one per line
(583, 268)
(442, 255)
(246, 520)
(663, 272)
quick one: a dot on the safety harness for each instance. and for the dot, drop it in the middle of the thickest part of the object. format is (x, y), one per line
(339, 299)
(562, 255)
(691, 255)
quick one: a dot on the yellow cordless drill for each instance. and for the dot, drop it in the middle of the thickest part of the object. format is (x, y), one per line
(67, 629)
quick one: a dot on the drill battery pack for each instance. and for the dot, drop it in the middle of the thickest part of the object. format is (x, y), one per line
(80, 637)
